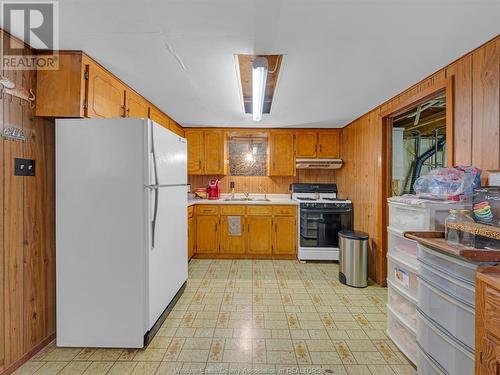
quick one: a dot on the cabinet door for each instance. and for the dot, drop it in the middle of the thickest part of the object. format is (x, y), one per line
(259, 234)
(232, 244)
(195, 151)
(329, 144)
(191, 237)
(136, 106)
(214, 152)
(282, 154)
(305, 144)
(105, 95)
(284, 235)
(207, 233)
(490, 363)
(158, 117)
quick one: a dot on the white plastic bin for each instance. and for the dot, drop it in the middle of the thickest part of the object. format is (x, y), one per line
(402, 247)
(453, 316)
(456, 267)
(403, 305)
(419, 217)
(460, 289)
(427, 365)
(402, 335)
(402, 274)
(447, 352)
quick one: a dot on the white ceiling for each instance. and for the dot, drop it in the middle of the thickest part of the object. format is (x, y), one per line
(342, 58)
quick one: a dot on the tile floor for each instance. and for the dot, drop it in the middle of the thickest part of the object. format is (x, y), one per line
(253, 317)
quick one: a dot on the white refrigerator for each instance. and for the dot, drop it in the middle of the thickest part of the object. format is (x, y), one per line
(121, 230)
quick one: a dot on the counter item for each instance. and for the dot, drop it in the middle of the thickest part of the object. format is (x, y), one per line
(201, 193)
(121, 230)
(234, 223)
(456, 220)
(486, 205)
(353, 258)
(450, 183)
(213, 189)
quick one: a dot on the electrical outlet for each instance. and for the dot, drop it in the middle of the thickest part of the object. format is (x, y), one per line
(24, 167)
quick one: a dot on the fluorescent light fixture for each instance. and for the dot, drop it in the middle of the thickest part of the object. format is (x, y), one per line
(259, 78)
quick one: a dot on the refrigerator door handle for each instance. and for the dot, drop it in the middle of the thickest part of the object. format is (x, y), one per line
(155, 214)
(156, 184)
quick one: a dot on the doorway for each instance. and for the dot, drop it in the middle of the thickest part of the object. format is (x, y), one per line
(437, 101)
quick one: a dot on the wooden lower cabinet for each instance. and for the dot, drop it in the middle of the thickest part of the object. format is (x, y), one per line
(285, 235)
(488, 321)
(191, 232)
(265, 231)
(259, 234)
(207, 234)
(231, 244)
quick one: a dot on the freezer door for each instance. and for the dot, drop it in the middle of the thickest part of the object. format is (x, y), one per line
(170, 152)
(168, 263)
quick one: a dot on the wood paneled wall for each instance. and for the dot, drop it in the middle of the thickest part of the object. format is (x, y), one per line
(27, 231)
(476, 139)
(270, 185)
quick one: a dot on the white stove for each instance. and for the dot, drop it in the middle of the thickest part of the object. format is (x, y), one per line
(322, 215)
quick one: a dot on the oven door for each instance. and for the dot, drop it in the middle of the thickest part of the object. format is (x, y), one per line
(319, 227)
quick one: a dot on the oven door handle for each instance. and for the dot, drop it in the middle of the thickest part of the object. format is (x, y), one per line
(326, 211)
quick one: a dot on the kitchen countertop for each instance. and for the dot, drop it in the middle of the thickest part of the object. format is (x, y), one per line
(274, 199)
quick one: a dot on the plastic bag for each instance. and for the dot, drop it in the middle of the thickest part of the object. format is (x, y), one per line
(450, 183)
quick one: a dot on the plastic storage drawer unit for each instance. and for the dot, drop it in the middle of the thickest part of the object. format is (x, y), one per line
(402, 274)
(402, 304)
(402, 334)
(457, 268)
(461, 289)
(427, 365)
(418, 217)
(402, 247)
(451, 355)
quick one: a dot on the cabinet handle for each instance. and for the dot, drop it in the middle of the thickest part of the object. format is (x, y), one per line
(248, 228)
(216, 225)
(320, 148)
(199, 164)
(275, 228)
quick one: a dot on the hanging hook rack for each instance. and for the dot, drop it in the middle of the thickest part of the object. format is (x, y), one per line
(10, 88)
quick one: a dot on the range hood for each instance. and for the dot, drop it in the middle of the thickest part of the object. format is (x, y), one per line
(318, 163)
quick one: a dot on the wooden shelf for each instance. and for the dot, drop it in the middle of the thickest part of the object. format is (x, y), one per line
(436, 241)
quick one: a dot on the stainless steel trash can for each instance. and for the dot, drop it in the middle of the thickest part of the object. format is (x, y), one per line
(353, 258)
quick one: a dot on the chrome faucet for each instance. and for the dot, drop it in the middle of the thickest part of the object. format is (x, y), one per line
(246, 194)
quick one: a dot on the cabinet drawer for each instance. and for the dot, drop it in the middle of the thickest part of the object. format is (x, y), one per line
(284, 210)
(190, 212)
(492, 313)
(259, 210)
(232, 210)
(207, 210)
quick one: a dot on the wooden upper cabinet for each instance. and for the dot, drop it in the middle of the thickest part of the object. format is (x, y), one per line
(195, 147)
(285, 235)
(282, 158)
(259, 234)
(61, 92)
(329, 144)
(306, 144)
(105, 94)
(206, 152)
(215, 145)
(135, 105)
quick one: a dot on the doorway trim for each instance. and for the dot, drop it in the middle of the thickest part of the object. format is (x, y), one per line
(445, 85)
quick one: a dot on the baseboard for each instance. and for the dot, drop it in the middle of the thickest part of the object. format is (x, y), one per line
(26, 357)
